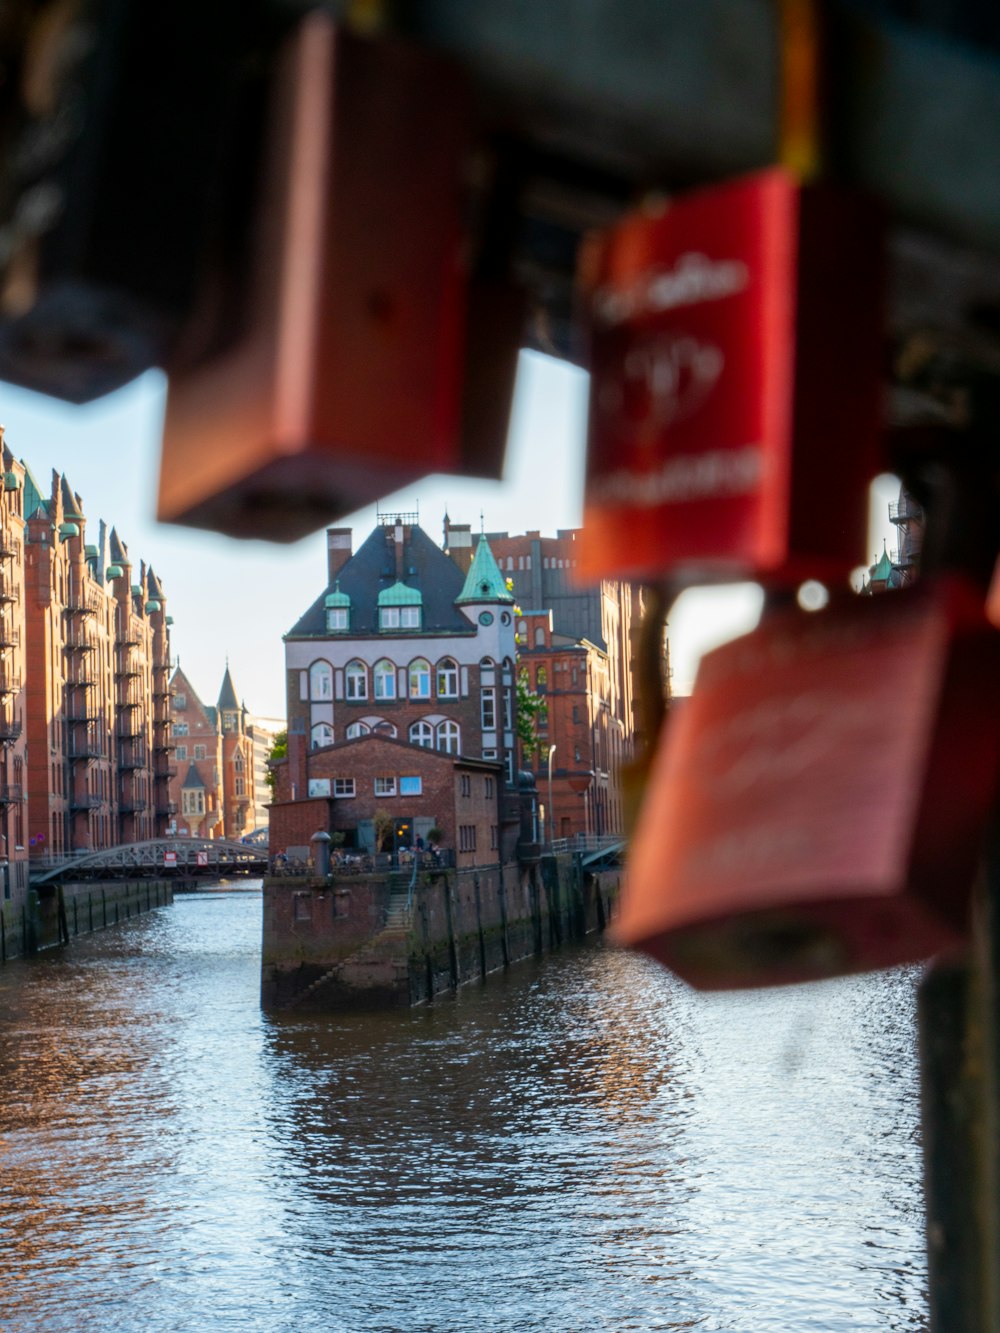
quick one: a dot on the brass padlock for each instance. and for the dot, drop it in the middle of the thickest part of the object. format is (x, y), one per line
(817, 806)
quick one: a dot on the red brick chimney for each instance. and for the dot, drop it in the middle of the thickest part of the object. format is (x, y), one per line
(338, 550)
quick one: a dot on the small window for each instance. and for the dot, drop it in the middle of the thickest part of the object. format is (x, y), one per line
(385, 680)
(422, 733)
(420, 679)
(489, 754)
(409, 617)
(385, 786)
(488, 788)
(319, 787)
(412, 786)
(321, 680)
(357, 729)
(447, 679)
(383, 728)
(180, 702)
(356, 675)
(448, 737)
(388, 617)
(466, 785)
(180, 728)
(321, 734)
(488, 702)
(182, 752)
(199, 752)
(541, 680)
(539, 636)
(343, 786)
(338, 619)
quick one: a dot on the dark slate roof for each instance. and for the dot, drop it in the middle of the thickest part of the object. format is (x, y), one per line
(119, 553)
(70, 502)
(193, 778)
(153, 585)
(372, 569)
(227, 695)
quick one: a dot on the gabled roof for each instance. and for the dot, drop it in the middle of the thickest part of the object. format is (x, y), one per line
(372, 569)
(227, 695)
(484, 582)
(193, 778)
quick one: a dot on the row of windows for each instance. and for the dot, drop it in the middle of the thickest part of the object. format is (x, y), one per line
(445, 736)
(489, 786)
(338, 618)
(384, 679)
(405, 785)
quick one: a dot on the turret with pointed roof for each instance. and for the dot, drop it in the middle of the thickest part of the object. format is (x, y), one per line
(484, 582)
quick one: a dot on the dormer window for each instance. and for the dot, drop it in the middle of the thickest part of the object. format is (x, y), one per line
(400, 607)
(338, 611)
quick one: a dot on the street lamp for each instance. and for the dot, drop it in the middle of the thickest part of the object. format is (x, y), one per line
(548, 817)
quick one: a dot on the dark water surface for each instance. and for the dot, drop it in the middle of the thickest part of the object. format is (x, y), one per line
(583, 1144)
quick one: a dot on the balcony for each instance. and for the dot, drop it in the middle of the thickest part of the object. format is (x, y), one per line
(131, 805)
(83, 750)
(131, 633)
(128, 665)
(165, 774)
(9, 545)
(10, 589)
(10, 682)
(11, 793)
(132, 757)
(10, 635)
(86, 801)
(82, 603)
(78, 714)
(128, 731)
(161, 745)
(78, 641)
(166, 808)
(906, 511)
(10, 730)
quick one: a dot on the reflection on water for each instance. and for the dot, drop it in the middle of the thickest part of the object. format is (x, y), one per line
(583, 1144)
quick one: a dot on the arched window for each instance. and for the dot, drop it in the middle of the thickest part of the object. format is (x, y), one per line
(449, 737)
(356, 675)
(357, 729)
(539, 636)
(422, 733)
(320, 680)
(447, 678)
(487, 664)
(420, 678)
(384, 728)
(541, 680)
(385, 679)
(321, 734)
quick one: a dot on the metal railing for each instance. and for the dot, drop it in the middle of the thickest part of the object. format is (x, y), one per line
(585, 842)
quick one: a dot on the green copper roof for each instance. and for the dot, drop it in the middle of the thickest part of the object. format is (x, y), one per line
(337, 598)
(399, 595)
(484, 582)
(882, 568)
(33, 498)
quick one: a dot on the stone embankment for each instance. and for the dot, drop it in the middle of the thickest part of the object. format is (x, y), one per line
(378, 940)
(56, 913)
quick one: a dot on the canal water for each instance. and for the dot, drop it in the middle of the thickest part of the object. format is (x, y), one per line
(582, 1144)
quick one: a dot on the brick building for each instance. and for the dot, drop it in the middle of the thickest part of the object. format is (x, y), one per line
(576, 644)
(13, 675)
(348, 783)
(97, 645)
(212, 787)
(407, 645)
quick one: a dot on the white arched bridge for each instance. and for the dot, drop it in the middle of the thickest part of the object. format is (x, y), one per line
(156, 858)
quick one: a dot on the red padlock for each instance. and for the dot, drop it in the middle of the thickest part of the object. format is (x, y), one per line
(818, 805)
(736, 363)
(346, 381)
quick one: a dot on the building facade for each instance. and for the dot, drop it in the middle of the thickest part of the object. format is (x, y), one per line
(405, 644)
(577, 647)
(212, 786)
(97, 645)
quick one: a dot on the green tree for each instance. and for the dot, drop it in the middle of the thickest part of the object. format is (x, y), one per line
(529, 706)
(279, 750)
(384, 828)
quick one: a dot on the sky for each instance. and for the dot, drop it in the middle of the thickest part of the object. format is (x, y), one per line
(232, 600)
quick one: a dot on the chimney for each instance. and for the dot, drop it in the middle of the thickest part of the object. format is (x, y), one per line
(338, 550)
(460, 545)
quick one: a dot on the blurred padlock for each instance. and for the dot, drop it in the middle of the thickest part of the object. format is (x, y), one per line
(818, 805)
(736, 364)
(126, 126)
(346, 380)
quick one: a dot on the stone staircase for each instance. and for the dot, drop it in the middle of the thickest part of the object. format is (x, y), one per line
(386, 946)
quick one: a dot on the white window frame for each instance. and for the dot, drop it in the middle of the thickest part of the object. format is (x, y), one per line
(338, 619)
(446, 678)
(488, 708)
(384, 676)
(357, 729)
(356, 679)
(419, 678)
(319, 735)
(410, 617)
(448, 738)
(321, 680)
(388, 617)
(199, 752)
(422, 733)
(192, 801)
(385, 786)
(343, 788)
